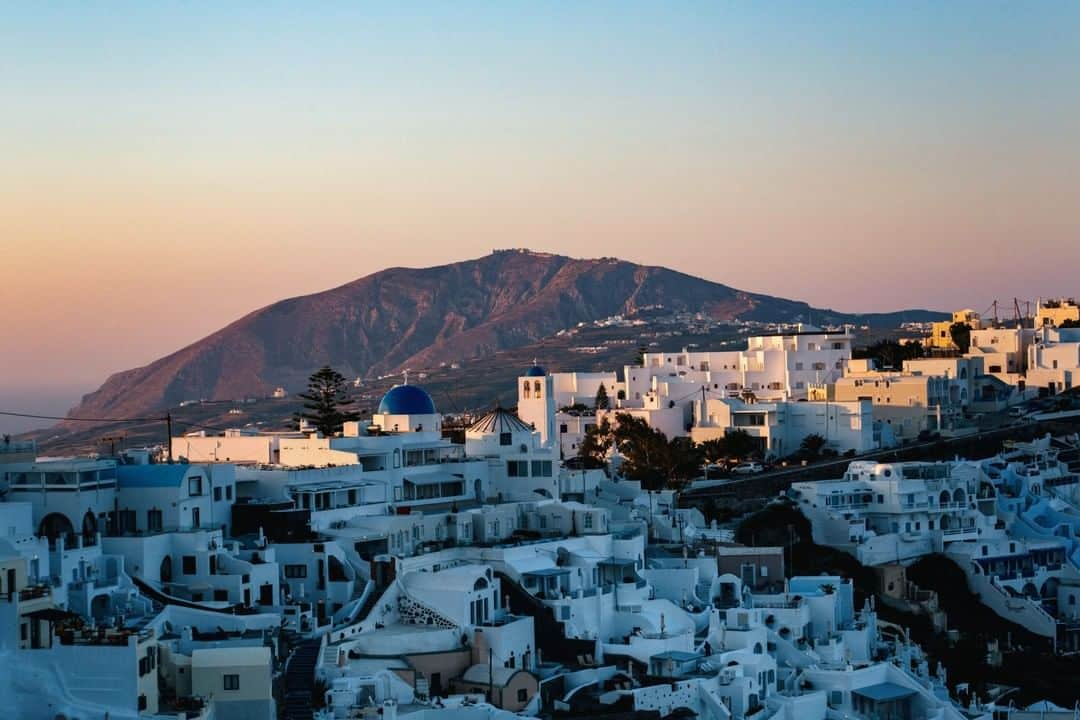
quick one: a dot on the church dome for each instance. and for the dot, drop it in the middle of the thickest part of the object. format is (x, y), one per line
(499, 421)
(406, 400)
(535, 371)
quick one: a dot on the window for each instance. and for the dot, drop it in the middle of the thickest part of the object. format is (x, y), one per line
(188, 564)
(505, 438)
(798, 366)
(295, 572)
(562, 428)
(517, 468)
(232, 682)
(195, 485)
(153, 520)
(217, 494)
(228, 492)
(588, 521)
(523, 695)
(541, 468)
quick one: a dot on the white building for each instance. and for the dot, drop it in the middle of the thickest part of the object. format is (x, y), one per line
(238, 681)
(780, 427)
(1054, 359)
(520, 466)
(895, 512)
(401, 448)
(155, 498)
(663, 389)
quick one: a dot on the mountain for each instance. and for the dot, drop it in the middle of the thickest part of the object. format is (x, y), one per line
(418, 318)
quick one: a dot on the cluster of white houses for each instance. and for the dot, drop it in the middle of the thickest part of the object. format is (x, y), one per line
(416, 577)
(780, 389)
(1011, 523)
(388, 571)
(783, 387)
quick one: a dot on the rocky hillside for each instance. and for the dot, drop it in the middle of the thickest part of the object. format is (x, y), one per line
(417, 318)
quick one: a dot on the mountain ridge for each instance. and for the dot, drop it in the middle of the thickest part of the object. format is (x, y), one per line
(420, 317)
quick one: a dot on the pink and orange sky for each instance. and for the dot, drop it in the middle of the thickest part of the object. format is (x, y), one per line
(170, 167)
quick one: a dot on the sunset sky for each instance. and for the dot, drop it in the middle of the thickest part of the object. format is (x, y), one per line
(168, 167)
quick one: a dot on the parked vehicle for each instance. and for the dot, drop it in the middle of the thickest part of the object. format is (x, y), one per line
(747, 468)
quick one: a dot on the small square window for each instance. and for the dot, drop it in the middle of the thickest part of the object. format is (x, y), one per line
(232, 682)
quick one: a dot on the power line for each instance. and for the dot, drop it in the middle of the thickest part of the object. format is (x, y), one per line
(201, 426)
(81, 419)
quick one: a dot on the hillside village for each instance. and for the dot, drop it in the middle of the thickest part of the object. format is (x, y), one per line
(526, 566)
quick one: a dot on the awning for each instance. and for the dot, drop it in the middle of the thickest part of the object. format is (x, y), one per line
(884, 692)
(51, 614)
(431, 478)
(547, 572)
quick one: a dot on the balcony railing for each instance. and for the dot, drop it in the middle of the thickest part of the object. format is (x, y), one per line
(34, 592)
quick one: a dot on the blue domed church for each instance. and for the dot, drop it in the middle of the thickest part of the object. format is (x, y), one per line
(407, 408)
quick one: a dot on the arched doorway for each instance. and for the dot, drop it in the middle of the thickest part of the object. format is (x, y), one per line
(89, 528)
(165, 571)
(55, 525)
(100, 607)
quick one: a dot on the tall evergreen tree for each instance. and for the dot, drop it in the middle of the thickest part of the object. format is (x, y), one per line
(602, 402)
(324, 402)
(960, 332)
(594, 447)
(812, 445)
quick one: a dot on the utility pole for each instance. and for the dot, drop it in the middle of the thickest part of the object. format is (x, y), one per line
(168, 429)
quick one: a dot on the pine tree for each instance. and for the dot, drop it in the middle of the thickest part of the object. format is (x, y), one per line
(324, 402)
(602, 402)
